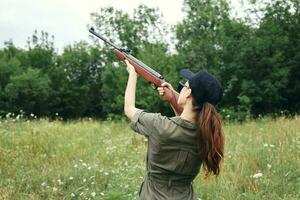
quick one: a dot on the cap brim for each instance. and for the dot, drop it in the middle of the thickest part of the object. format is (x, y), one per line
(186, 73)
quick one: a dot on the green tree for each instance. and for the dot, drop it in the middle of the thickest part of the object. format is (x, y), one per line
(200, 34)
(40, 54)
(256, 64)
(266, 60)
(28, 91)
(10, 65)
(133, 33)
(76, 82)
(292, 91)
(209, 40)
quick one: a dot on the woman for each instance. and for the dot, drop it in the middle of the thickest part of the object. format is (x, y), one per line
(179, 145)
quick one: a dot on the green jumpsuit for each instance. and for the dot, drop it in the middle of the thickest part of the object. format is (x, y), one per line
(172, 158)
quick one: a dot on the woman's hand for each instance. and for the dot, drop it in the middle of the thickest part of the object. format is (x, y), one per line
(162, 92)
(130, 68)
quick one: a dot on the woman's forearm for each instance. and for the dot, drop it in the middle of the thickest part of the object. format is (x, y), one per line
(129, 103)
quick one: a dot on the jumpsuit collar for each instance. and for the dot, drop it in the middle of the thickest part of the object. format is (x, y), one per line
(184, 123)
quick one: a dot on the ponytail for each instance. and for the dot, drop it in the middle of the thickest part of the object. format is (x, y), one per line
(211, 143)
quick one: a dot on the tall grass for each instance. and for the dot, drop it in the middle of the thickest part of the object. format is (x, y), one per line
(87, 159)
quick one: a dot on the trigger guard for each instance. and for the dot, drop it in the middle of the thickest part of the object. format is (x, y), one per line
(153, 85)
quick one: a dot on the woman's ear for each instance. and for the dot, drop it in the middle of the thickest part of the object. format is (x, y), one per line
(188, 94)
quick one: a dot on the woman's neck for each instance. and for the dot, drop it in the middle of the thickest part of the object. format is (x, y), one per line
(188, 114)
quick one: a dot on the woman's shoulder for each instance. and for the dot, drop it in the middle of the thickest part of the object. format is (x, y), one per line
(166, 123)
(159, 125)
(183, 123)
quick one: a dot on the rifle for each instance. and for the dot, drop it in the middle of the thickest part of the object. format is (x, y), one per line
(153, 77)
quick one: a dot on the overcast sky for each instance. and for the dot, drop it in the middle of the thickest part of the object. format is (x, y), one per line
(67, 19)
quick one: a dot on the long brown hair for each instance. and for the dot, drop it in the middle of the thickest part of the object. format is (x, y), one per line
(211, 143)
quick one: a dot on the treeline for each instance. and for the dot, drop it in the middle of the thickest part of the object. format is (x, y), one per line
(258, 64)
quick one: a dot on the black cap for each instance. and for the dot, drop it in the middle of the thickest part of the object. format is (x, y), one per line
(205, 87)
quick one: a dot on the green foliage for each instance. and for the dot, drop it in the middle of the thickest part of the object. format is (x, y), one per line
(200, 34)
(133, 33)
(257, 63)
(9, 66)
(77, 82)
(41, 51)
(254, 64)
(266, 56)
(156, 56)
(28, 91)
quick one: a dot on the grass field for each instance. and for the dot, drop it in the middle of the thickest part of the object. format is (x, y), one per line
(90, 159)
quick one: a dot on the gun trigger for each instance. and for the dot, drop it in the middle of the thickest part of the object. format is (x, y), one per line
(153, 85)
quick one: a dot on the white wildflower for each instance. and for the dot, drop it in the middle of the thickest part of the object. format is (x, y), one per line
(8, 115)
(266, 145)
(75, 165)
(84, 180)
(102, 193)
(269, 166)
(44, 184)
(72, 194)
(257, 175)
(71, 178)
(106, 173)
(54, 189)
(60, 182)
(93, 194)
(272, 145)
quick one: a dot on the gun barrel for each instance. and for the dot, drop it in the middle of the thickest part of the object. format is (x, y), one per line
(92, 31)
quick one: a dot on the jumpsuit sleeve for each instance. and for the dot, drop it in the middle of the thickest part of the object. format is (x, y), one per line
(145, 123)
